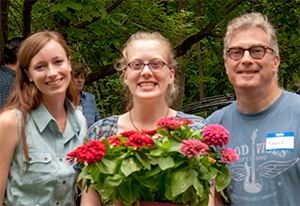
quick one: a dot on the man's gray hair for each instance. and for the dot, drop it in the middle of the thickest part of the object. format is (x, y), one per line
(251, 20)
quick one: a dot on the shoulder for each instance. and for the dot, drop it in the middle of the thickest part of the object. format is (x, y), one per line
(88, 95)
(9, 117)
(217, 116)
(9, 125)
(104, 127)
(198, 121)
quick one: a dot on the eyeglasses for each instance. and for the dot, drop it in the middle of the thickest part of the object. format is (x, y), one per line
(256, 52)
(154, 65)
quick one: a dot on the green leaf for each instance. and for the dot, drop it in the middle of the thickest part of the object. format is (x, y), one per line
(108, 166)
(128, 191)
(223, 179)
(75, 6)
(113, 181)
(166, 162)
(129, 166)
(149, 173)
(115, 21)
(87, 17)
(181, 180)
(187, 195)
(156, 152)
(199, 187)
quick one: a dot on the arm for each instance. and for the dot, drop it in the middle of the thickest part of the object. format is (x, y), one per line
(92, 198)
(9, 131)
(215, 199)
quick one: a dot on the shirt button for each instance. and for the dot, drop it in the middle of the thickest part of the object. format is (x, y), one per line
(57, 203)
(45, 158)
(60, 159)
(64, 182)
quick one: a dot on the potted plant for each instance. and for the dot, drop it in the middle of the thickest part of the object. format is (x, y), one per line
(170, 164)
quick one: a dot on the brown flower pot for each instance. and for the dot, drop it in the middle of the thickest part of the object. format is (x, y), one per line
(148, 203)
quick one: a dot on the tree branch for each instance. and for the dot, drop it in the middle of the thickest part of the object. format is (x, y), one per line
(179, 50)
(83, 24)
(207, 31)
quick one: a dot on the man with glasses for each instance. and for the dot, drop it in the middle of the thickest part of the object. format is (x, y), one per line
(264, 122)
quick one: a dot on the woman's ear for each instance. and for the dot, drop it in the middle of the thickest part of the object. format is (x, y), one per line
(172, 76)
(28, 75)
(125, 77)
(70, 63)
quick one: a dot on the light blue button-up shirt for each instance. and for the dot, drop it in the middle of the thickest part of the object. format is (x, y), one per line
(50, 180)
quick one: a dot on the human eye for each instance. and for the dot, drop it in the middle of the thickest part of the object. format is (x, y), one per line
(257, 49)
(136, 65)
(38, 67)
(156, 64)
(59, 62)
(236, 51)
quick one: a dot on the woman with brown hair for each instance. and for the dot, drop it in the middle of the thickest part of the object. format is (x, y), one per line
(39, 126)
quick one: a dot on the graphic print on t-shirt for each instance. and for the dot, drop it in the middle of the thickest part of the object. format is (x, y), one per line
(253, 176)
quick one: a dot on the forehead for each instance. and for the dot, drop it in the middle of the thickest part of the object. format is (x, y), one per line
(147, 48)
(52, 49)
(249, 37)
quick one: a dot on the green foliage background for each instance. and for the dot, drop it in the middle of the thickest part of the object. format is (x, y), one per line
(99, 43)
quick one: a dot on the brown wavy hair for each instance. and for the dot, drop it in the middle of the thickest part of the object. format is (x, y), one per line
(26, 96)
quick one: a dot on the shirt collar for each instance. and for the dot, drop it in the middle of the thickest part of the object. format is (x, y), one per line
(42, 117)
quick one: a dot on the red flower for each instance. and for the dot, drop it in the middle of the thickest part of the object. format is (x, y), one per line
(128, 133)
(228, 155)
(139, 140)
(89, 152)
(193, 147)
(149, 132)
(216, 135)
(112, 140)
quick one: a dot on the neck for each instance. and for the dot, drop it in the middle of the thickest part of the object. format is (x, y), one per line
(12, 66)
(257, 100)
(55, 107)
(144, 116)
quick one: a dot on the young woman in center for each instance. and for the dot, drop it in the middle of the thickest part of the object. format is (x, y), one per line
(148, 72)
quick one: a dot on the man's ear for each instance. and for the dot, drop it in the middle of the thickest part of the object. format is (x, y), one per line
(276, 62)
(225, 64)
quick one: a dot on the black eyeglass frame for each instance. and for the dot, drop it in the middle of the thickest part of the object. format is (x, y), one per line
(264, 47)
(148, 64)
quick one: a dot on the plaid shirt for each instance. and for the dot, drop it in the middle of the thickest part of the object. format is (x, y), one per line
(7, 83)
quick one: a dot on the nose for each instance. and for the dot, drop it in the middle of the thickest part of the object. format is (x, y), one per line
(146, 71)
(51, 70)
(247, 58)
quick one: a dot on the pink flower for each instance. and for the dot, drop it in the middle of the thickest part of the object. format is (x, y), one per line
(216, 135)
(168, 123)
(193, 147)
(228, 155)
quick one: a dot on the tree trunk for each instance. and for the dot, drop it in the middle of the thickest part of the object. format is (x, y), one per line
(199, 55)
(3, 28)
(179, 75)
(26, 17)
